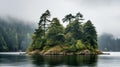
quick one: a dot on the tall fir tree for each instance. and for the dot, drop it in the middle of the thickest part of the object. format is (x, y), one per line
(89, 34)
(55, 32)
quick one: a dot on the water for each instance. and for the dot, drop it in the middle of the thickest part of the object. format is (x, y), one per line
(13, 59)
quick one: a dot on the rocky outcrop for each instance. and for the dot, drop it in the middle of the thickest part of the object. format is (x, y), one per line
(83, 52)
(58, 50)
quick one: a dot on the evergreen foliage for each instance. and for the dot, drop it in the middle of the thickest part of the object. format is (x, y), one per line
(80, 45)
(107, 41)
(89, 34)
(15, 35)
(55, 32)
(77, 35)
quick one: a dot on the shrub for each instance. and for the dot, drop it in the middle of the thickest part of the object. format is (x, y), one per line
(46, 48)
(79, 45)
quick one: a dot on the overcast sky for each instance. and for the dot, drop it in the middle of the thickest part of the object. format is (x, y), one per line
(105, 14)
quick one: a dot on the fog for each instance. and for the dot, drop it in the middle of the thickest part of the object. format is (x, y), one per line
(104, 14)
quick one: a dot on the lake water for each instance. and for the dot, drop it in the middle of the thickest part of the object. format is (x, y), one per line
(13, 59)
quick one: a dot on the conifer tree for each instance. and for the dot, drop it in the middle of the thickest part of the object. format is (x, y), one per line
(89, 34)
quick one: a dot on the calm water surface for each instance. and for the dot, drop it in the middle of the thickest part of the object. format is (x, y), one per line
(13, 59)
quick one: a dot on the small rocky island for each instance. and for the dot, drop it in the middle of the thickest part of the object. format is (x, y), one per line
(52, 38)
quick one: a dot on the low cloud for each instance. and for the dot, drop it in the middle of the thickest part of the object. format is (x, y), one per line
(103, 13)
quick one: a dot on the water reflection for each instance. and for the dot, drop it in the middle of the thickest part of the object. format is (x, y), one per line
(79, 60)
(11, 58)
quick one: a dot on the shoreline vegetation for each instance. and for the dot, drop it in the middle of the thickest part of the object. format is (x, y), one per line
(57, 50)
(52, 38)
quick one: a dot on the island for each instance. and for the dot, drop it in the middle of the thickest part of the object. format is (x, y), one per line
(55, 38)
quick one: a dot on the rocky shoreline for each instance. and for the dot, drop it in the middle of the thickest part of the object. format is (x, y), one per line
(83, 52)
(59, 50)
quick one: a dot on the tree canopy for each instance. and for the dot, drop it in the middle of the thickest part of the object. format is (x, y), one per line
(78, 35)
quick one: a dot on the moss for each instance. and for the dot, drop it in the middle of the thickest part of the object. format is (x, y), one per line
(46, 48)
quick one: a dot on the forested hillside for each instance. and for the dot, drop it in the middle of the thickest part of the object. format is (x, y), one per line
(15, 34)
(107, 42)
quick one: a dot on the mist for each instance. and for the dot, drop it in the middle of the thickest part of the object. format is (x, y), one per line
(103, 13)
(106, 42)
(15, 34)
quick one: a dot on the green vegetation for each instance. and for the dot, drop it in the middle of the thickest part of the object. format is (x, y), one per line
(106, 42)
(77, 35)
(15, 35)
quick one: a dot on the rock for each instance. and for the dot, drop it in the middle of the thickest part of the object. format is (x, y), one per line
(42, 52)
(85, 52)
(98, 52)
(70, 53)
(78, 53)
(34, 52)
(58, 50)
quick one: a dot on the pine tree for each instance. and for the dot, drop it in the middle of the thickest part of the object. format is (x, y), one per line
(44, 21)
(89, 34)
(55, 32)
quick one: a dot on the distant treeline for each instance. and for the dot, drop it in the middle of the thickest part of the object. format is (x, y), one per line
(15, 34)
(107, 42)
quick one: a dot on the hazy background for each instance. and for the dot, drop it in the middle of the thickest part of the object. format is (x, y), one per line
(105, 14)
